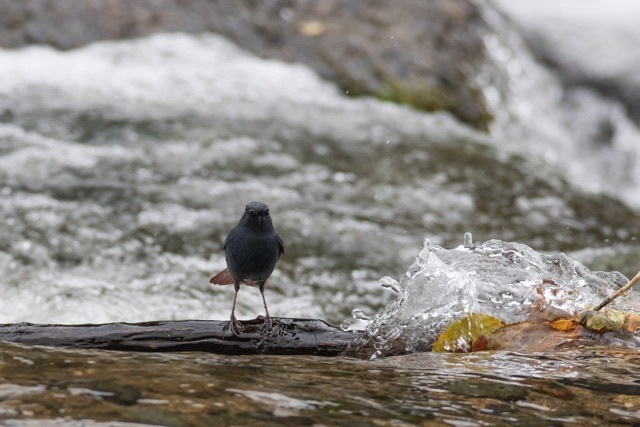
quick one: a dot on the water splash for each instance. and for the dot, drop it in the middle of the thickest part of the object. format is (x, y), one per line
(502, 279)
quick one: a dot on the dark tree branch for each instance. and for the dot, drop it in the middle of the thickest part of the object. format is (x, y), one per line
(619, 292)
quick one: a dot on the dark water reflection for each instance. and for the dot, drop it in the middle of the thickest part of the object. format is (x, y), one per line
(578, 387)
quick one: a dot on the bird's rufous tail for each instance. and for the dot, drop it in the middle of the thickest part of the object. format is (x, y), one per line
(222, 278)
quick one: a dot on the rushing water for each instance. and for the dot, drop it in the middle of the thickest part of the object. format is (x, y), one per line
(124, 164)
(574, 127)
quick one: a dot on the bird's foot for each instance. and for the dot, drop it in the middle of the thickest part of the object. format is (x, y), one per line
(267, 325)
(234, 326)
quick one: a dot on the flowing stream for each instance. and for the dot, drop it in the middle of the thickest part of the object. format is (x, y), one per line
(124, 164)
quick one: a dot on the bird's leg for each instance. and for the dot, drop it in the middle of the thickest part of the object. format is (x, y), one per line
(233, 324)
(267, 321)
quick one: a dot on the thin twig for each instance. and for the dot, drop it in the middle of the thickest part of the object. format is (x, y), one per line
(619, 292)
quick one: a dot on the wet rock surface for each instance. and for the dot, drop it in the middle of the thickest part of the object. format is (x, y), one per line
(424, 54)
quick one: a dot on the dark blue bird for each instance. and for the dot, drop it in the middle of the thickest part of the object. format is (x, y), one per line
(252, 250)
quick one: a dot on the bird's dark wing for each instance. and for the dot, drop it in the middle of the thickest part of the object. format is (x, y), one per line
(280, 247)
(222, 278)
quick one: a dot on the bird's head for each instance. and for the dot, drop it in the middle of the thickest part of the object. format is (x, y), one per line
(257, 214)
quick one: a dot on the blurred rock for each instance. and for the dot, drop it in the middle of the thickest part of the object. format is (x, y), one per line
(426, 54)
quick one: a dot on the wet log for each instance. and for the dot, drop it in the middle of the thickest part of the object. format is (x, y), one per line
(287, 337)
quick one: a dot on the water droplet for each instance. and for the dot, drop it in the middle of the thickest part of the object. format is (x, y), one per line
(286, 13)
(390, 283)
(359, 314)
(345, 325)
(468, 240)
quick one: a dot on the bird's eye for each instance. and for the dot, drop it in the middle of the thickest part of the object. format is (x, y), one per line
(266, 213)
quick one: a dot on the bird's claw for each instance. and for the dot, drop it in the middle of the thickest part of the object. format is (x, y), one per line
(234, 326)
(267, 325)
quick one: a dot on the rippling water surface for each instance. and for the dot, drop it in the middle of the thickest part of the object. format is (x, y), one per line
(582, 387)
